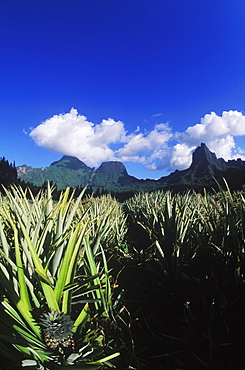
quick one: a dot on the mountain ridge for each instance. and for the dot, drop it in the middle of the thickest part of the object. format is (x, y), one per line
(113, 176)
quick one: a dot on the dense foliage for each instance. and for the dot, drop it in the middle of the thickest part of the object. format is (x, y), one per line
(189, 279)
(158, 279)
(56, 307)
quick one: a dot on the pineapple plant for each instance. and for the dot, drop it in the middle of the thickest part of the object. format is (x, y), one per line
(52, 262)
(56, 328)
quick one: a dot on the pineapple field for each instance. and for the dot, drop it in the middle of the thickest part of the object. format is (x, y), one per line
(154, 282)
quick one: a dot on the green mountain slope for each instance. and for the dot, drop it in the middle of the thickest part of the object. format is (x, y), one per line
(68, 171)
(113, 176)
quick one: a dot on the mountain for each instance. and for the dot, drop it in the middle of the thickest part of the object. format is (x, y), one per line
(72, 163)
(204, 168)
(68, 171)
(113, 176)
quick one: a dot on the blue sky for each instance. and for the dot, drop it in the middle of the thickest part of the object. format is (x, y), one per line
(140, 81)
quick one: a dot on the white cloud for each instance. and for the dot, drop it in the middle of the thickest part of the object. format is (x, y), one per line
(147, 147)
(181, 156)
(72, 134)
(217, 132)
(223, 146)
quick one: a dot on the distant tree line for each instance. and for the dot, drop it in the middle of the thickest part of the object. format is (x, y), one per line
(8, 172)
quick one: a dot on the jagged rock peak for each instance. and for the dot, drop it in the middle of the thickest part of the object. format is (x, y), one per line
(112, 166)
(70, 162)
(204, 155)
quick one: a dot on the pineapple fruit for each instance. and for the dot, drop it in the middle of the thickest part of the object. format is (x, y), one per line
(56, 327)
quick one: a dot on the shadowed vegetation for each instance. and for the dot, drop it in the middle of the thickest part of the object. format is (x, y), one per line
(156, 282)
(189, 279)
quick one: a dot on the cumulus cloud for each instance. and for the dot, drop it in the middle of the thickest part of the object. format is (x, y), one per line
(212, 126)
(217, 132)
(72, 134)
(146, 143)
(181, 156)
